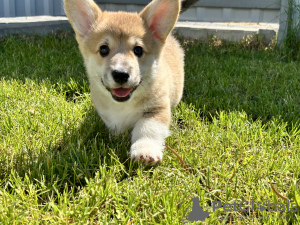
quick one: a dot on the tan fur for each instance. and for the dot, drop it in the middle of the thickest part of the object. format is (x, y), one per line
(158, 75)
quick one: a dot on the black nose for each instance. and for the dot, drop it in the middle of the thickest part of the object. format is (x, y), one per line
(120, 77)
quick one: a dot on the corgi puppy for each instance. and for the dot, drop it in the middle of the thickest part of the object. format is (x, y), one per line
(135, 69)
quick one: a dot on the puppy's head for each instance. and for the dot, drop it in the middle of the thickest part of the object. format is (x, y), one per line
(121, 50)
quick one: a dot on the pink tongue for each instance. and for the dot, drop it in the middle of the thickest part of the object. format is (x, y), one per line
(121, 92)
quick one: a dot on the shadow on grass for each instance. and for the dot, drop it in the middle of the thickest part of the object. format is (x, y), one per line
(76, 158)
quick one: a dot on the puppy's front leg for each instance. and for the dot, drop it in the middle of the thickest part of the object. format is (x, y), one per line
(148, 138)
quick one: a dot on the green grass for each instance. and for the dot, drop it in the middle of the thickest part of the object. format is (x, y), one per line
(237, 128)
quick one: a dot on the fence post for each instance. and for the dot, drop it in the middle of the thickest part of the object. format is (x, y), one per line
(284, 20)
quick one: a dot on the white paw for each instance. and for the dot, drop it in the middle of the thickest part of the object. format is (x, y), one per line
(146, 151)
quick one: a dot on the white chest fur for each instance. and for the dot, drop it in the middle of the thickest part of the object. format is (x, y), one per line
(118, 116)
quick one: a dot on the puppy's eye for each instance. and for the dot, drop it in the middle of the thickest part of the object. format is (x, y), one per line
(138, 51)
(104, 50)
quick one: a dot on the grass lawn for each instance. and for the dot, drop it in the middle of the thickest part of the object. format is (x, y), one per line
(237, 129)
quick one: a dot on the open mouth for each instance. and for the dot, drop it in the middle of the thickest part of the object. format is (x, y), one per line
(121, 94)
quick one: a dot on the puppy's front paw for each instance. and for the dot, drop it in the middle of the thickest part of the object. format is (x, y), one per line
(147, 152)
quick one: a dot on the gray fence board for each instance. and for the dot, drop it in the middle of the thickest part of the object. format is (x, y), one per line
(12, 8)
(39, 8)
(8, 8)
(20, 9)
(1, 7)
(255, 4)
(30, 7)
(58, 8)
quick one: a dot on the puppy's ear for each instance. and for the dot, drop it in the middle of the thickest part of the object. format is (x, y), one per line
(161, 16)
(82, 15)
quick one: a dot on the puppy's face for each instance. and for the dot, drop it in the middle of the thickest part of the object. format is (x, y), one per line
(120, 54)
(121, 49)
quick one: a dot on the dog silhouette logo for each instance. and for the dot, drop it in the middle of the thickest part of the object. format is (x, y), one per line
(197, 213)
